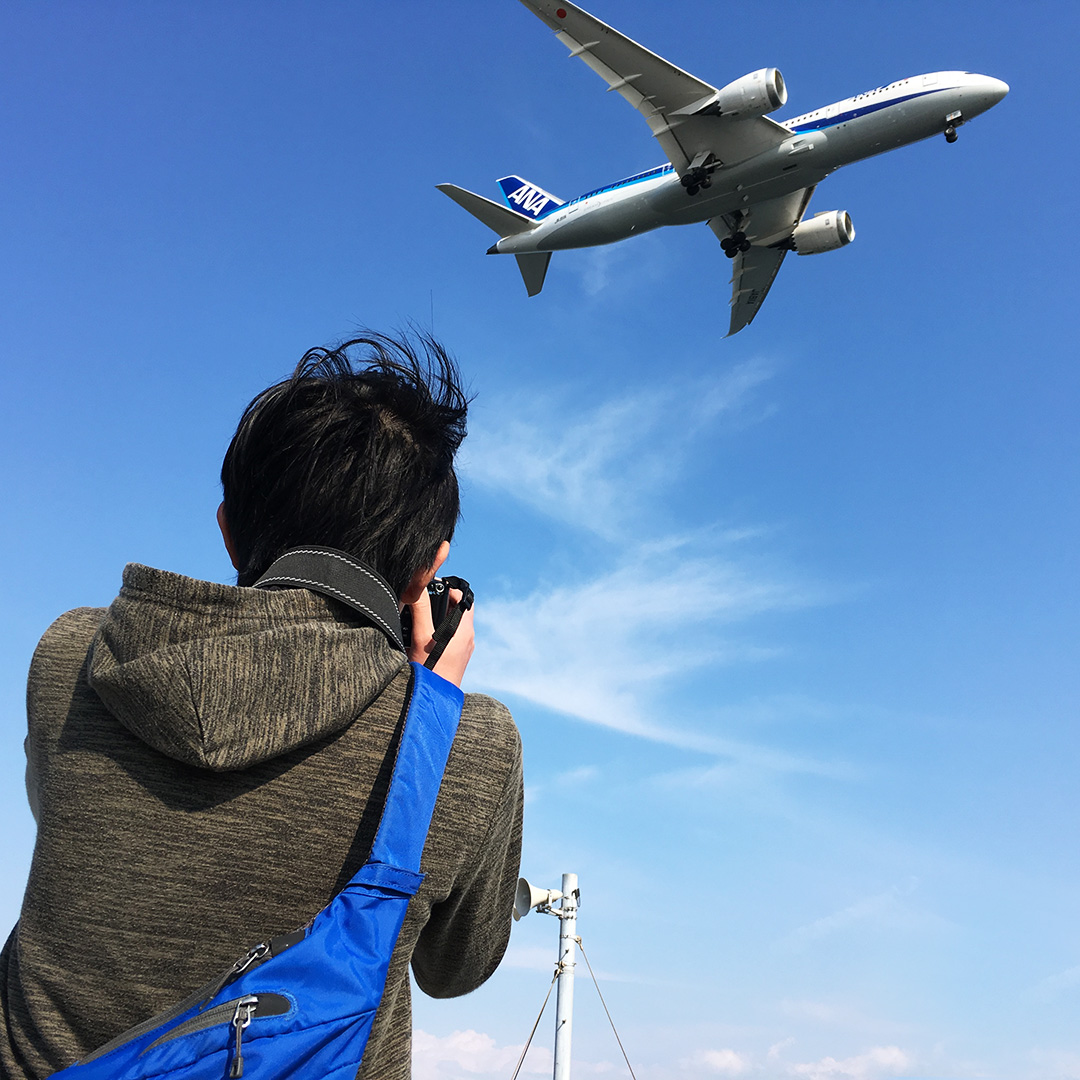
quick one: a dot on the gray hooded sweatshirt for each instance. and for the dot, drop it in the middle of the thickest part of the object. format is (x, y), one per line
(207, 765)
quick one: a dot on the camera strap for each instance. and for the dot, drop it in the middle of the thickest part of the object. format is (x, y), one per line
(341, 577)
(448, 627)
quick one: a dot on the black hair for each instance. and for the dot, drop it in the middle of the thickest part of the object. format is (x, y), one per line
(355, 451)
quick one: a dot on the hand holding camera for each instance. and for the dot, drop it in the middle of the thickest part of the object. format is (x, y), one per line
(442, 627)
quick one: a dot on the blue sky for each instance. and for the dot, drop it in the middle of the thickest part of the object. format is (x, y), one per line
(788, 621)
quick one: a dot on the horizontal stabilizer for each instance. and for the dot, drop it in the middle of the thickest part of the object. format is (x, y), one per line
(500, 219)
(533, 269)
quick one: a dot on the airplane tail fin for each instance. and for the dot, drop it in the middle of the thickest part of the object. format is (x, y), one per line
(527, 198)
(533, 267)
(498, 218)
(506, 222)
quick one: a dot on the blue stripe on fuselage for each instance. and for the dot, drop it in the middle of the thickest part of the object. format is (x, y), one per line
(862, 110)
(809, 125)
(660, 170)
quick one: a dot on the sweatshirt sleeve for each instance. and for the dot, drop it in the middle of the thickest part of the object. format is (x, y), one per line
(50, 686)
(31, 780)
(467, 933)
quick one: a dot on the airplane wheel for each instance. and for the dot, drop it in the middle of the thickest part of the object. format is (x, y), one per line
(706, 182)
(950, 134)
(744, 245)
(691, 189)
(731, 252)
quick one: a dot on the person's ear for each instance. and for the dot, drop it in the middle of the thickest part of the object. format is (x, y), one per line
(226, 535)
(419, 581)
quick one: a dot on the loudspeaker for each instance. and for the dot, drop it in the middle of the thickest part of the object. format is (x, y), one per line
(529, 896)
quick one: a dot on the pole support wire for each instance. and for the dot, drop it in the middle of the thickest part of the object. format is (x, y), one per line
(604, 1003)
(528, 1041)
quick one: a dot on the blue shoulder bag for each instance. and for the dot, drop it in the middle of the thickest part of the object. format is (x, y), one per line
(302, 1005)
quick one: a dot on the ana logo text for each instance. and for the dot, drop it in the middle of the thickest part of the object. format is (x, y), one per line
(529, 199)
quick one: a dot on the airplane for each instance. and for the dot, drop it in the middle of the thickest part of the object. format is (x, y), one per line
(730, 165)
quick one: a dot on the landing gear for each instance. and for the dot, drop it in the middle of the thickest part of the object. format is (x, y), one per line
(699, 175)
(733, 244)
(950, 134)
(952, 122)
(695, 180)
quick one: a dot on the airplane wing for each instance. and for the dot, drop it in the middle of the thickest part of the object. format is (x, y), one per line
(766, 225)
(664, 94)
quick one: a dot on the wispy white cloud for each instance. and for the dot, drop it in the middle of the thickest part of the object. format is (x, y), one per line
(723, 1062)
(740, 762)
(584, 774)
(1054, 986)
(778, 1048)
(596, 650)
(529, 958)
(537, 958)
(617, 267)
(845, 1016)
(602, 646)
(877, 1062)
(1054, 1064)
(566, 469)
(888, 909)
(597, 266)
(471, 1055)
(821, 1012)
(595, 468)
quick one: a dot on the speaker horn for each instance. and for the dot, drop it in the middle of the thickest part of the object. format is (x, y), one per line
(529, 896)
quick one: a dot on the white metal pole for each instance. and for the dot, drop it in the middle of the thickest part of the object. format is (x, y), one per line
(564, 1002)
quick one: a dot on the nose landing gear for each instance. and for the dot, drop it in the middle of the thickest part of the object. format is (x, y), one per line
(952, 122)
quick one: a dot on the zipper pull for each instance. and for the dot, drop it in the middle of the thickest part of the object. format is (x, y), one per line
(256, 952)
(245, 1009)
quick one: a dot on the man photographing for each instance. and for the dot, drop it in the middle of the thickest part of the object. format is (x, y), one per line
(207, 763)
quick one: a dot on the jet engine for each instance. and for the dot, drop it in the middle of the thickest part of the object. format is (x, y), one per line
(826, 231)
(755, 94)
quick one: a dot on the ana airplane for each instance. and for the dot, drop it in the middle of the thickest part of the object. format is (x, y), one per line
(749, 177)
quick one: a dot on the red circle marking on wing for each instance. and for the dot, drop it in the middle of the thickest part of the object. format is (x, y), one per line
(561, 13)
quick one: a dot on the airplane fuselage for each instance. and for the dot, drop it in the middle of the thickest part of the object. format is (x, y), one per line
(821, 142)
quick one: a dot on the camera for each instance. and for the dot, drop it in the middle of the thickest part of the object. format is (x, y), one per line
(438, 591)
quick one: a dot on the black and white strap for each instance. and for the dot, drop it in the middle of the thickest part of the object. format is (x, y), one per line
(338, 575)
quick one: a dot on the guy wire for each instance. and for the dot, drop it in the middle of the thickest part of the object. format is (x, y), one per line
(528, 1041)
(604, 1003)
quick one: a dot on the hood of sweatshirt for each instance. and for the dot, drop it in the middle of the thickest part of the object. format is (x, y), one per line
(222, 677)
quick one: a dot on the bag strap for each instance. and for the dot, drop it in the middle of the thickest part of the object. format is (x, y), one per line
(434, 711)
(338, 575)
(430, 725)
